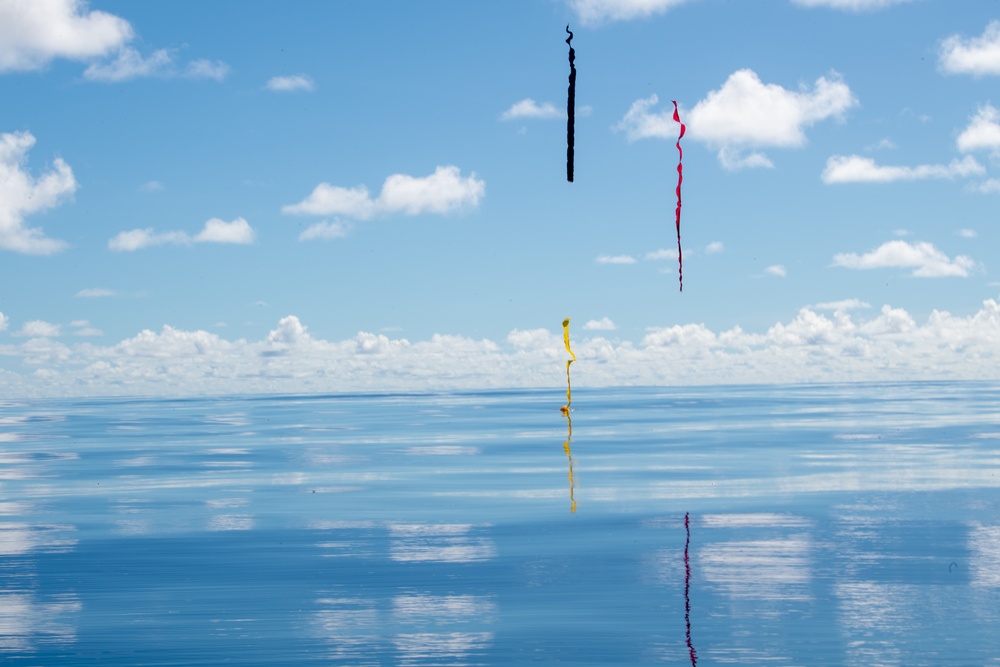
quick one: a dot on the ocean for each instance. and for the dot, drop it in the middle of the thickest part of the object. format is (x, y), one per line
(752, 525)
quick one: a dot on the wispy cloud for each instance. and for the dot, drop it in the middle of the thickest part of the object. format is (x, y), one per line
(595, 12)
(743, 115)
(978, 56)
(291, 83)
(850, 5)
(845, 304)
(22, 195)
(444, 191)
(32, 34)
(215, 231)
(325, 230)
(859, 169)
(529, 108)
(130, 64)
(38, 329)
(714, 247)
(603, 324)
(615, 259)
(95, 293)
(925, 260)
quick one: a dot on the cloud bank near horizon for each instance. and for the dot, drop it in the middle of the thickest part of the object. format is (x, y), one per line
(814, 346)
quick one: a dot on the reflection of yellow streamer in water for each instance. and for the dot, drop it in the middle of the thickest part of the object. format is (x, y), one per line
(569, 420)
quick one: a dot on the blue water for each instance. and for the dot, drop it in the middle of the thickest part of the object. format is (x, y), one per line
(828, 525)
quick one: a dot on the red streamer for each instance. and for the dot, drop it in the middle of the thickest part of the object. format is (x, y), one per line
(677, 212)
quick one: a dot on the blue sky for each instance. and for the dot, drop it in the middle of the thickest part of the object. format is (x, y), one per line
(238, 196)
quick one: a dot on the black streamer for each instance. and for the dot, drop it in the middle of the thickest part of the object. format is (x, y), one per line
(570, 107)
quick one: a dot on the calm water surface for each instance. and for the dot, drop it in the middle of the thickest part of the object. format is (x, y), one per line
(826, 525)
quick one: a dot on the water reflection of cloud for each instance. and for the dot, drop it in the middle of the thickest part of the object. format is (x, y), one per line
(25, 620)
(776, 569)
(223, 522)
(431, 648)
(453, 543)
(442, 609)
(351, 626)
(21, 538)
(442, 450)
(984, 545)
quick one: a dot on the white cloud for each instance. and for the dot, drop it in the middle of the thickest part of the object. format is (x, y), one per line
(746, 113)
(641, 123)
(136, 239)
(152, 186)
(776, 270)
(594, 12)
(444, 191)
(811, 347)
(206, 69)
(83, 328)
(967, 233)
(130, 64)
(4, 322)
(95, 292)
(529, 108)
(975, 55)
(219, 231)
(925, 260)
(325, 230)
(21, 195)
(881, 144)
(33, 33)
(215, 231)
(292, 83)
(983, 131)
(988, 187)
(615, 259)
(858, 169)
(38, 329)
(714, 247)
(845, 304)
(661, 254)
(603, 324)
(850, 5)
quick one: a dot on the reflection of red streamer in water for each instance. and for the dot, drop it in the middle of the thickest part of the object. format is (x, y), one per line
(687, 583)
(677, 212)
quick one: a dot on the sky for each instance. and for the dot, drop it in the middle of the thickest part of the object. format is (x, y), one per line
(247, 197)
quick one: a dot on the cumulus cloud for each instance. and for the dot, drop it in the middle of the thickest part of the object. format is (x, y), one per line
(615, 259)
(595, 12)
(714, 247)
(219, 231)
(858, 169)
(22, 195)
(291, 83)
(850, 5)
(444, 191)
(206, 69)
(603, 324)
(809, 347)
(988, 187)
(4, 322)
(974, 55)
(661, 254)
(34, 33)
(983, 131)
(746, 113)
(923, 258)
(743, 115)
(215, 231)
(529, 108)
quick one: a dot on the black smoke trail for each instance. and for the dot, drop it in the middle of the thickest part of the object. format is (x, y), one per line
(570, 108)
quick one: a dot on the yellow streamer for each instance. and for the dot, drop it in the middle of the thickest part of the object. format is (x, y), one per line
(566, 413)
